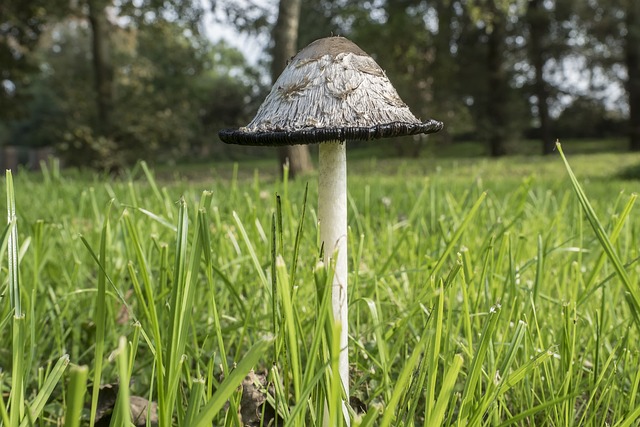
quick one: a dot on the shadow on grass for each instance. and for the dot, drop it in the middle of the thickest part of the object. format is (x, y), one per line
(630, 173)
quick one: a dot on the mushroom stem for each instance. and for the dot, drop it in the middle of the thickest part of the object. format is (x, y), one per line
(332, 215)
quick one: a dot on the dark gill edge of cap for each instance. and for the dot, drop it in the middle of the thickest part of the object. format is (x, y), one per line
(318, 135)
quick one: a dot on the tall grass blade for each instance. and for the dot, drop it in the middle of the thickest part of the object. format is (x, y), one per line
(252, 252)
(17, 396)
(76, 391)
(336, 413)
(381, 342)
(446, 392)
(475, 371)
(631, 419)
(100, 317)
(499, 380)
(184, 283)
(615, 232)
(195, 401)
(122, 410)
(405, 375)
(516, 419)
(209, 270)
(157, 218)
(436, 320)
(4, 414)
(151, 180)
(146, 299)
(12, 244)
(458, 233)
(296, 244)
(230, 384)
(47, 389)
(633, 291)
(286, 299)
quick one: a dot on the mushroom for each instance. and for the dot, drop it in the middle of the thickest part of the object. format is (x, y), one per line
(331, 92)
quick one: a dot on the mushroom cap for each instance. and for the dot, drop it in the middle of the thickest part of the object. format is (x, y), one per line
(331, 90)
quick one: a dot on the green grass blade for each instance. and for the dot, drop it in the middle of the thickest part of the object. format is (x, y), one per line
(538, 408)
(299, 232)
(281, 399)
(523, 371)
(12, 244)
(446, 391)
(209, 270)
(76, 391)
(177, 316)
(157, 218)
(299, 408)
(405, 375)
(436, 319)
(335, 389)
(634, 389)
(151, 180)
(285, 293)
(4, 414)
(4, 239)
(323, 311)
(633, 291)
(631, 419)
(381, 342)
(185, 277)
(195, 401)
(17, 397)
(230, 384)
(499, 383)
(252, 253)
(615, 232)
(370, 417)
(47, 389)
(122, 410)
(147, 299)
(475, 371)
(100, 318)
(458, 233)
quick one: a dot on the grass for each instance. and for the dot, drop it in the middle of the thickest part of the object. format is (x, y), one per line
(483, 292)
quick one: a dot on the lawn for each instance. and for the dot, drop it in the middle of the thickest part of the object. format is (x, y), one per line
(481, 293)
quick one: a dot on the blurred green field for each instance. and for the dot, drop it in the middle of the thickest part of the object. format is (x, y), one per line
(479, 292)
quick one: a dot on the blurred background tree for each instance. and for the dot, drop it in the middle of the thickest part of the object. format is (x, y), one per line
(107, 83)
(107, 86)
(285, 40)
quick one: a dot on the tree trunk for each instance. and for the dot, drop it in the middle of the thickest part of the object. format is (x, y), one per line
(444, 67)
(538, 29)
(285, 36)
(102, 66)
(632, 58)
(498, 86)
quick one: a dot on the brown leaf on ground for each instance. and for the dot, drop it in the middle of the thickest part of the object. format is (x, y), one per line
(140, 407)
(254, 399)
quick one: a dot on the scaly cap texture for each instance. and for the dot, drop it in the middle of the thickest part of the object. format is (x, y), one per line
(331, 90)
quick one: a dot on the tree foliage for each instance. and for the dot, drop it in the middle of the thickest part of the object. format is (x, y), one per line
(495, 71)
(171, 89)
(21, 24)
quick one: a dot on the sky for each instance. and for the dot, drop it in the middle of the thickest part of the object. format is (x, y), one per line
(217, 29)
(572, 79)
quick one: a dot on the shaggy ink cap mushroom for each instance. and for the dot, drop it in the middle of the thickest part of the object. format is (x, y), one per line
(330, 91)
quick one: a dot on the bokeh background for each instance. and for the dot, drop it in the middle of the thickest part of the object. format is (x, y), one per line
(104, 83)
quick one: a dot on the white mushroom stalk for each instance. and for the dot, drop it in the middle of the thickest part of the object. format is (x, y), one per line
(332, 216)
(331, 92)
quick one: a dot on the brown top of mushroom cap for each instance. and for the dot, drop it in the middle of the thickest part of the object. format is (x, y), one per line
(331, 90)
